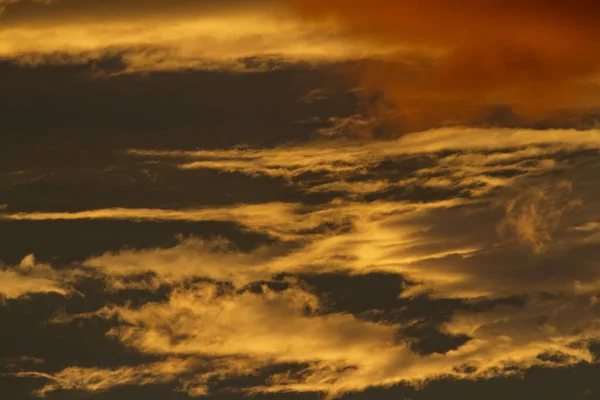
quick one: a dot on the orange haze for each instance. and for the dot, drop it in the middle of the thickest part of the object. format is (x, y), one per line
(537, 56)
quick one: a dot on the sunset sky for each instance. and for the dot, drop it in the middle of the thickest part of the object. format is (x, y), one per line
(300, 199)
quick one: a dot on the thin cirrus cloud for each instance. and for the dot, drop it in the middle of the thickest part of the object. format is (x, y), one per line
(99, 380)
(349, 155)
(482, 160)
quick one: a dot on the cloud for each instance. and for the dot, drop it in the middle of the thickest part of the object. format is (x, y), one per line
(272, 218)
(451, 249)
(535, 214)
(425, 206)
(356, 126)
(271, 324)
(350, 156)
(53, 11)
(483, 159)
(225, 317)
(191, 258)
(239, 333)
(302, 245)
(180, 36)
(536, 57)
(447, 244)
(100, 380)
(31, 277)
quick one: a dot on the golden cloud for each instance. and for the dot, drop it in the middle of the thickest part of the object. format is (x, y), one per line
(181, 37)
(446, 247)
(248, 331)
(30, 277)
(99, 380)
(449, 244)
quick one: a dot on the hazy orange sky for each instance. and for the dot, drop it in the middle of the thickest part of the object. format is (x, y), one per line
(537, 56)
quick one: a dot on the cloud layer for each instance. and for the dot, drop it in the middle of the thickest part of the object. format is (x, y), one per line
(466, 216)
(183, 35)
(175, 228)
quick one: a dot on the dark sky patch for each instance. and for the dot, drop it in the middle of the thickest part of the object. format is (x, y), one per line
(64, 242)
(27, 332)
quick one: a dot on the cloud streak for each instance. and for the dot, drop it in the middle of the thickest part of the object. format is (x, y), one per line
(483, 160)
(100, 380)
(179, 37)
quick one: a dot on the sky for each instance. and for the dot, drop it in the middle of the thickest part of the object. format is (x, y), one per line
(299, 199)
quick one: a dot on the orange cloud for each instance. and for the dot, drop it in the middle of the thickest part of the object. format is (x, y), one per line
(537, 56)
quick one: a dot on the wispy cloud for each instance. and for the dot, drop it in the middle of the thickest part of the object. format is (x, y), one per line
(100, 380)
(534, 216)
(225, 316)
(342, 353)
(197, 39)
(483, 159)
(31, 277)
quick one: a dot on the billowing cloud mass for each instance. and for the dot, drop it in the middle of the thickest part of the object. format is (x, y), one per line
(249, 331)
(537, 56)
